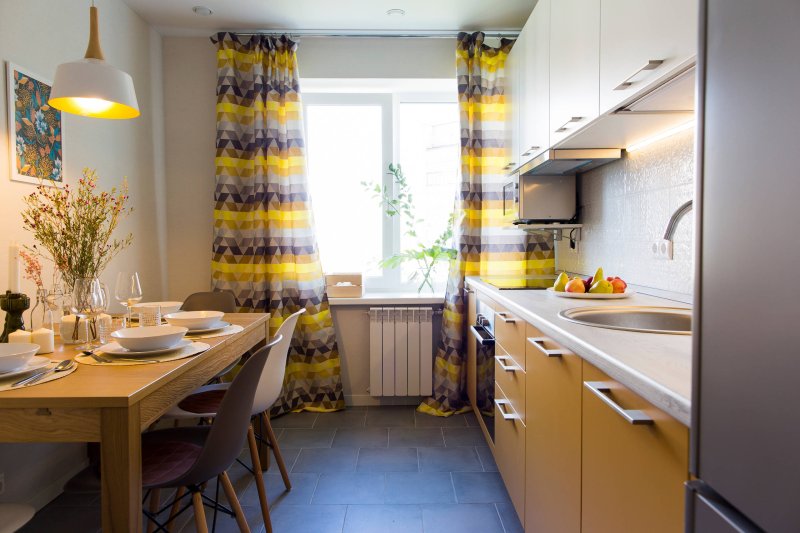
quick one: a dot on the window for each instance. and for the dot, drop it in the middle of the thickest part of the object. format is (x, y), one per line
(352, 137)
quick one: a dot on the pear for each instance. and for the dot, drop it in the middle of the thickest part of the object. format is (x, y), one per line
(601, 286)
(561, 282)
(598, 275)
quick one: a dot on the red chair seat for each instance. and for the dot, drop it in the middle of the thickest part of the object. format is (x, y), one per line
(169, 454)
(203, 402)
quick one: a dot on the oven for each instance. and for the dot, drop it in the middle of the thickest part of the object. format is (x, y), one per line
(483, 335)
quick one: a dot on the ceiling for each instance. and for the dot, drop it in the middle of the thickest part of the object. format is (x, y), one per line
(175, 17)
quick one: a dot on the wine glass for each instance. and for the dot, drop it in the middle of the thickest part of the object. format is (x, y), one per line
(128, 290)
(89, 299)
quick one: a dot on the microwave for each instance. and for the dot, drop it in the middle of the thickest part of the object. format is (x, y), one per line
(540, 199)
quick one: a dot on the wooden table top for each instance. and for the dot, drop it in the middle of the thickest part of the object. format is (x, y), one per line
(119, 386)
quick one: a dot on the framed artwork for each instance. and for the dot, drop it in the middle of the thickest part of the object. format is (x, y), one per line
(34, 129)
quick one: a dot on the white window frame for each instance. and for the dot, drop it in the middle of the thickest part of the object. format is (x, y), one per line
(389, 101)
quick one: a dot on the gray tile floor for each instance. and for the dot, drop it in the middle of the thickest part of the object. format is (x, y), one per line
(363, 470)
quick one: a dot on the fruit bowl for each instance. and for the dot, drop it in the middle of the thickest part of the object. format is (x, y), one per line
(593, 296)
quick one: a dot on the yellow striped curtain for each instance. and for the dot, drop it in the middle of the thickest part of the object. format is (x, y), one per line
(485, 244)
(265, 250)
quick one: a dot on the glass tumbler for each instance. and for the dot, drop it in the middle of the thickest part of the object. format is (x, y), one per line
(150, 316)
(107, 326)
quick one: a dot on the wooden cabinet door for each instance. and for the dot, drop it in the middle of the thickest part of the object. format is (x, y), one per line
(553, 438)
(535, 91)
(471, 296)
(574, 65)
(509, 449)
(633, 474)
(635, 35)
(513, 76)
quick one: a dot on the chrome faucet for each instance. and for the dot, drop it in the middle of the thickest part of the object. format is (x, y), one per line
(675, 218)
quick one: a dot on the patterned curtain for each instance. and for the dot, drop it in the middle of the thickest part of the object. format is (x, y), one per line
(485, 245)
(265, 250)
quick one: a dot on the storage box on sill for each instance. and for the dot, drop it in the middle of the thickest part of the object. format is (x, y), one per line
(345, 285)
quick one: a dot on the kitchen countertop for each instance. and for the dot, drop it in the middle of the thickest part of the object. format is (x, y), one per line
(658, 367)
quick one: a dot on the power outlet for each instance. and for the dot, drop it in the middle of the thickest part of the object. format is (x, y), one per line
(662, 249)
(2, 483)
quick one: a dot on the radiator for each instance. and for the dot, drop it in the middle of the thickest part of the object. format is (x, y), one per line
(400, 351)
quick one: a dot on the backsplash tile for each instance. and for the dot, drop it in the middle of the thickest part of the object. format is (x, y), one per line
(626, 206)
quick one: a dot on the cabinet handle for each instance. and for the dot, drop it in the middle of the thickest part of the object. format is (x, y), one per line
(650, 65)
(531, 150)
(633, 416)
(538, 343)
(468, 290)
(507, 368)
(565, 127)
(500, 407)
(505, 318)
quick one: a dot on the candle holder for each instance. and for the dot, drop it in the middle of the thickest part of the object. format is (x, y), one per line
(14, 304)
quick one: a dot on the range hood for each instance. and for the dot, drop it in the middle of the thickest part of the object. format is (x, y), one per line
(568, 161)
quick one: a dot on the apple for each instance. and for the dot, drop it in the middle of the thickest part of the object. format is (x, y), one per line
(575, 285)
(618, 285)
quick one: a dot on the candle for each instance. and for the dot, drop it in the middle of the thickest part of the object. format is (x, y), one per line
(45, 339)
(13, 267)
(19, 337)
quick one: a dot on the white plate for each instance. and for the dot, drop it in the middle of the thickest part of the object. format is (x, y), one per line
(34, 364)
(112, 348)
(592, 296)
(220, 325)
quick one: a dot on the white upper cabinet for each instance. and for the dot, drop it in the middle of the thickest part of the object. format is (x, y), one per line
(641, 42)
(574, 65)
(535, 86)
(513, 73)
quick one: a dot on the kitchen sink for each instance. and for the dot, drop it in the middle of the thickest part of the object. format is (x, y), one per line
(647, 319)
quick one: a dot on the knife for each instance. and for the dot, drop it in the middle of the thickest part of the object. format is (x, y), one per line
(66, 364)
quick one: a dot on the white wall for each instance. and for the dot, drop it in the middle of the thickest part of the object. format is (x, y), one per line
(38, 35)
(626, 206)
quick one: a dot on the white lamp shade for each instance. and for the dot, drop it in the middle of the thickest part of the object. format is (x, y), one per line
(93, 88)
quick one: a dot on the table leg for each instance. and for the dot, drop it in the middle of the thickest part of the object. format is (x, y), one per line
(121, 467)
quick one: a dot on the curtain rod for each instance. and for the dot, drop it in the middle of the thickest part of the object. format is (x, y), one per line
(375, 34)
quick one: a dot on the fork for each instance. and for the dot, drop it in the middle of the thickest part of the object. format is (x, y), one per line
(101, 359)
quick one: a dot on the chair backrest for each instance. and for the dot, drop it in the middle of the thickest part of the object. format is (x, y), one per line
(227, 435)
(222, 301)
(269, 387)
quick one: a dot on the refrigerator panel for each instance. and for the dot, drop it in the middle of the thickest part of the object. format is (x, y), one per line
(747, 380)
(705, 514)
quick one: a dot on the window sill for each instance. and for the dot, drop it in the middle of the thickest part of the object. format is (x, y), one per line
(391, 298)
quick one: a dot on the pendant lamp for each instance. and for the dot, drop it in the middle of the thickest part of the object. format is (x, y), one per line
(91, 87)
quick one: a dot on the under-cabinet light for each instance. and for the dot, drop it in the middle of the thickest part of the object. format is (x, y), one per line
(659, 136)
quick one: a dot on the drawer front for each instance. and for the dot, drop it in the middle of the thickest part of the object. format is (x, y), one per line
(633, 473)
(509, 332)
(553, 442)
(511, 379)
(509, 451)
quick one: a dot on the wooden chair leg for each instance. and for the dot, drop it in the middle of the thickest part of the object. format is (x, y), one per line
(200, 523)
(154, 503)
(276, 450)
(259, 475)
(234, 501)
(176, 506)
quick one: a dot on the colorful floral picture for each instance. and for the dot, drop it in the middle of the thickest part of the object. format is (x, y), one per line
(34, 129)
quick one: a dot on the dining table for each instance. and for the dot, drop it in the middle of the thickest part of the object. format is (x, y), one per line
(114, 404)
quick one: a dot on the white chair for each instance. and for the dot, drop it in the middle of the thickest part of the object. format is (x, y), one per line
(204, 403)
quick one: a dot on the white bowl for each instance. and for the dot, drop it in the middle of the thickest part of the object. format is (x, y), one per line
(16, 355)
(148, 338)
(194, 319)
(166, 307)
